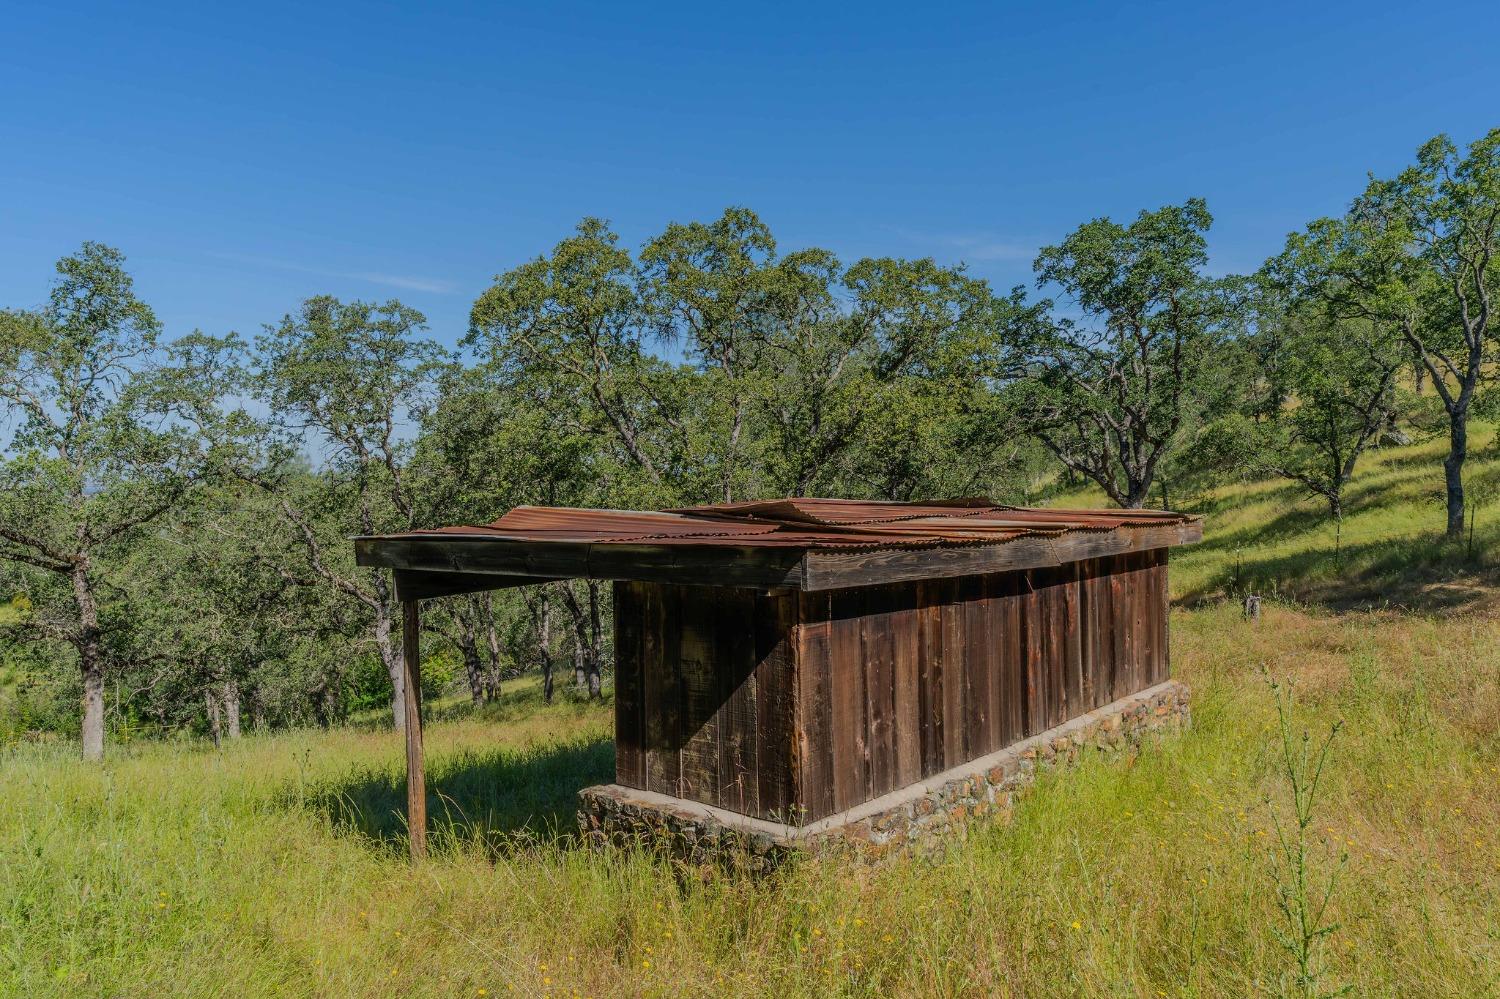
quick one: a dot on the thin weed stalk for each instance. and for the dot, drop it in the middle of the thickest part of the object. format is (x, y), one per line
(1302, 904)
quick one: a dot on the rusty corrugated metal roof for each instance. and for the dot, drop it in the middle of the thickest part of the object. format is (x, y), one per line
(805, 523)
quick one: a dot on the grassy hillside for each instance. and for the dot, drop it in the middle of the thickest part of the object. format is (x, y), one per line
(276, 866)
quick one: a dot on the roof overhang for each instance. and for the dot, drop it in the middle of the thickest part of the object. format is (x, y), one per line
(439, 564)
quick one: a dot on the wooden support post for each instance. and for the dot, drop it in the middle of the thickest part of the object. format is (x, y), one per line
(416, 778)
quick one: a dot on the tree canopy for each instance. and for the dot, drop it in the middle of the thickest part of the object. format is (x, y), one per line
(175, 513)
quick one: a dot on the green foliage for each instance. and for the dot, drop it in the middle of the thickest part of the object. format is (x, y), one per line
(1418, 256)
(198, 555)
(110, 433)
(1117, 393)
(199, 558)
(1325, 391)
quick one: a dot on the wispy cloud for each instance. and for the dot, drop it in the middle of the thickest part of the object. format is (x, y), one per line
(406, 282)
(409, 282)
(985, 248)
(974, 246)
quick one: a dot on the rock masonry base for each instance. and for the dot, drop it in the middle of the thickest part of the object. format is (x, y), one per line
(918, 815)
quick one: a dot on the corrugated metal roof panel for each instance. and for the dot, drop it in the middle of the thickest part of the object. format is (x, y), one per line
(837, 511)
(804, 523)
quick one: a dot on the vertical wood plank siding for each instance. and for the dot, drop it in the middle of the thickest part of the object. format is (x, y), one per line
(812, 645)
(705, 693)
(997, 658)
(630, 719)
(796, 705)
(775, 701)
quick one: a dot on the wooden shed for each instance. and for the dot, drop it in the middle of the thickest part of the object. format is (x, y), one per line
(803, 664)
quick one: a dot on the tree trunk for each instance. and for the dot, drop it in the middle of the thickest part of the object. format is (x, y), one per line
(474, 671)
(468, 647)
(492, 639)
(544, 644)
(596, 650)
(580, 638)
(580, 643)
(319, 696)
(93, 711)
(90, 662)
(390, 657)
(1453, 470)
(215, 722)
(232, 709)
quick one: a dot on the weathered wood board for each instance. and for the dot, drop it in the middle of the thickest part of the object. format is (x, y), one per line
(789, 705)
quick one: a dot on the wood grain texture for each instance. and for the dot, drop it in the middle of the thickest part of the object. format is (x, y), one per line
(981, 660)
(705, 697)
(1007, 591)
(629, 601)
(906, 697)
(951, 653)
(930, 699)
(511, 562)
(437, 565)
(416, 774)
(775, 698)
(827, 569)
(662, 690)
(737, 776)
(795, 705)
(877, 648)
(849, 715)
(813, 710)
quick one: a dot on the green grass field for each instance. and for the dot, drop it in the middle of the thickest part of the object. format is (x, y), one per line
(276, 867)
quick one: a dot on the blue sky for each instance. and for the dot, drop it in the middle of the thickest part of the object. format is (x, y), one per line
(246, 156)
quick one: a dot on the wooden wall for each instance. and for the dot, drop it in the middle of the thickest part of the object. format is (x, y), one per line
(919, 678)
(808, 703)
(703, 694)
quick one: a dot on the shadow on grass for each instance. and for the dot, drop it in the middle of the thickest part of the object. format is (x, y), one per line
(1430, 575)
(1381, 564)
(1299, 516)
(501, 800)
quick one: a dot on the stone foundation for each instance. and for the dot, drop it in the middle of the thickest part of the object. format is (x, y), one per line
(917, 815)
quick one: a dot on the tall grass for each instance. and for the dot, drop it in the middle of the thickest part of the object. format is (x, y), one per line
(276, 866)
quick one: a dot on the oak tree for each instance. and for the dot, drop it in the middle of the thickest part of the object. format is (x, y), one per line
(105, 441)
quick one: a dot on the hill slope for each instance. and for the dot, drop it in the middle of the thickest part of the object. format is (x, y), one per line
(275, 867)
